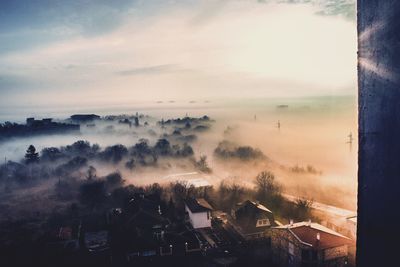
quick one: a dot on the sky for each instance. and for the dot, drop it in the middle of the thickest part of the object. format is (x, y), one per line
(55, 52)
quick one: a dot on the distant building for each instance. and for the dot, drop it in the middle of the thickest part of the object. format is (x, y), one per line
(252, 220)
(199, 212)
(29, 121)
(44, 122)
(47, 120)
(309, 244)
(84, 117)
(282, 106)
(33, 127)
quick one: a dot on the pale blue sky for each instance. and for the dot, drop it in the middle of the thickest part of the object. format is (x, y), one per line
(109, 51)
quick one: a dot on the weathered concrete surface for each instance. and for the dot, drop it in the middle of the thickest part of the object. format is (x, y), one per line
(378, 241)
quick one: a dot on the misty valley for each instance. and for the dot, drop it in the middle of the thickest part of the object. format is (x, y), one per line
(180, 133)
(72, 188)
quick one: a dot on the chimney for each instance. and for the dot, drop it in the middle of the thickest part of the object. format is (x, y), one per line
(291, 222)
(318, 237)
(309, 222)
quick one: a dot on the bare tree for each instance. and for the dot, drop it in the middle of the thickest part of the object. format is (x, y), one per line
(266, 186)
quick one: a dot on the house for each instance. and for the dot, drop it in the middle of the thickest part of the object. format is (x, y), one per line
(252, 220)
(147, 221)
(309, 244)
(199, 212)
(145, 213)
(145, 228)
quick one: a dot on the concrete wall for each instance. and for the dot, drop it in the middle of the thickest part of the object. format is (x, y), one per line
(199, 219)
(379, 133)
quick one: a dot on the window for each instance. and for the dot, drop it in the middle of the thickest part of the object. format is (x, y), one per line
(263, 222)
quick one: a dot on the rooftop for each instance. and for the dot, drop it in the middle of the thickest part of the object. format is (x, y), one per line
(198, 205)
(144, 218)
(307, 233)
(255, 204)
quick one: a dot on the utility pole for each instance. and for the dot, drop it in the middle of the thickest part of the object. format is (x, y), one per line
(350, 141)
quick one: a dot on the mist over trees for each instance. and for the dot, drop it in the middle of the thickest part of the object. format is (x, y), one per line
(114, 153)
(202, 165)
(67, 160)
(62, 183)
(229, 150)
(31, 155)
(266, 186)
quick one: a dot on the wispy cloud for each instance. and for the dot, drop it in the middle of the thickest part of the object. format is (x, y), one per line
(158, 69)
(178, 49)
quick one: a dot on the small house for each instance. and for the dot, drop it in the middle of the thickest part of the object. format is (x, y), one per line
(199, 212)
(252, 220)
(309, 244)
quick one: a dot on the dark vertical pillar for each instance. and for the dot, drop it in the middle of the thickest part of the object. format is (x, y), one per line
(378, 235)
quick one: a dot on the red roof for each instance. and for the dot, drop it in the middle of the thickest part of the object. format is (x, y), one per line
(309, 234)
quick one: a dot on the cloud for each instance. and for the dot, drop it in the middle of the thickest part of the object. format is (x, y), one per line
(344, 8)
(158, 69)
(10, 83)
(30, 24)
(241, 49)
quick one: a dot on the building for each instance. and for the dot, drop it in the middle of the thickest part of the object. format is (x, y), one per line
(144, 217)
(309, 244)
(144, 229)
(252, 220)
(46, 125)
(84, 117)
(199, 212)
(148, 234)
(43, 122)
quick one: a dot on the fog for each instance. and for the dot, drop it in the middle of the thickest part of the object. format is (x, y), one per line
(313, 132)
